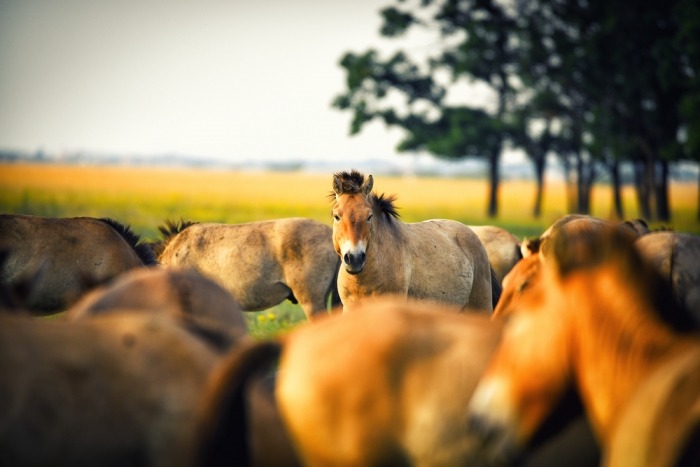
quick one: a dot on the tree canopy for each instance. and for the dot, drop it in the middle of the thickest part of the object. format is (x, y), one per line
(594, 82)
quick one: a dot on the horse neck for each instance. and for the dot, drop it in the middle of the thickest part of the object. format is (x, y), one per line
(387, 245)
(618, 342)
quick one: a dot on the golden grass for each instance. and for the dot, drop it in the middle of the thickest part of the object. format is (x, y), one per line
(144, 196)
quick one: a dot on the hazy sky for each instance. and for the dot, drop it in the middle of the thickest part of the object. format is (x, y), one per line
(233, 79)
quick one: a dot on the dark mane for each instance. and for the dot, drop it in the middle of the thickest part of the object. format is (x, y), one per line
(385, 205)
(142, 249)
(168, 232)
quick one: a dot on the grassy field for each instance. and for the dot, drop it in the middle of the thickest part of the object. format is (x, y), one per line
(145, 197)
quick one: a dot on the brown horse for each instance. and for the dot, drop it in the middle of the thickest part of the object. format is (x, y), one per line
(440, 260)
(398, 400)
(117, 389)
(677, 257)
(418, 365)
(173, 291)
(260, 263)
(593, 314)
(69, 254)
(502, 248)
(636, 227)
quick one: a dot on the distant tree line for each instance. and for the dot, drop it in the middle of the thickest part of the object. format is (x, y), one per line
(594, 82)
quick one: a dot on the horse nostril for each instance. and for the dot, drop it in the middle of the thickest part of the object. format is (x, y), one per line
(346, 258)
(362, 255)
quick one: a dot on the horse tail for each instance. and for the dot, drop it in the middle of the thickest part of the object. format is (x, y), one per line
(495, 289)
(223, 432)
(168, 232)
(142, 249)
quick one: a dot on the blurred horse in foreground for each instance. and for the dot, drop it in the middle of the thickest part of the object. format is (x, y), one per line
(589, 312)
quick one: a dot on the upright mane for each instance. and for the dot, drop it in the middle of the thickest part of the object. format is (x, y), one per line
(168, 232)
(142, 249)
(383, 204)
(351, 182)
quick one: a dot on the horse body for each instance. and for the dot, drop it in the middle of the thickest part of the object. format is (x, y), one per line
(69, 254)
(677, 258)
(634, 227)
(439, 260)
(114, 390)
(588, 313)
(502, 248)
(396, 396)
(261, 263)
(173, 291)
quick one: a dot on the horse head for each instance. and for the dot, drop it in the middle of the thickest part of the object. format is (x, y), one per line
(520, 388)
(539, 357)
(352, 218)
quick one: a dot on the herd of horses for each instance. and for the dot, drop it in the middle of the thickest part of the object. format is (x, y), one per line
(430, 343)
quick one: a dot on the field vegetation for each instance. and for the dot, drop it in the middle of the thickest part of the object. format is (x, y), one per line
(144, 198)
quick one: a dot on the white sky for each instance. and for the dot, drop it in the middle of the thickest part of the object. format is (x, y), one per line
(229, 79)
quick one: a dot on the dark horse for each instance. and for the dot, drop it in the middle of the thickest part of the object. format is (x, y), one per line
(68, 256)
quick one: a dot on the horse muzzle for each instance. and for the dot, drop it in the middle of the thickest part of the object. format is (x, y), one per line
(354, 262)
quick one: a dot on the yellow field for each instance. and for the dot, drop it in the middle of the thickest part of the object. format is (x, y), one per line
(145, 197)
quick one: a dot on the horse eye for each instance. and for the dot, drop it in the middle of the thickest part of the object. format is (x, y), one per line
(369, 218)
(336, 217)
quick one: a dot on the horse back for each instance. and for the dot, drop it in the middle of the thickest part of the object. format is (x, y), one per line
(71, 254)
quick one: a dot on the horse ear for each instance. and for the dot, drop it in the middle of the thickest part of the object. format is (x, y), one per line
(337, 185)
(367, 186)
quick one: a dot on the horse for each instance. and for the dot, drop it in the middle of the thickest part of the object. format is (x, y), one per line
(636, 227)
(260, 263)
(395, 396)
(69, 255)
(441, 260)
(589, 311)
(173, 291)
(117, 389)
(502, 248)
(677, 257)
(419, 361)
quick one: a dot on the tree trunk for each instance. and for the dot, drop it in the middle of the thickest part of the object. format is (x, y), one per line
(663, 211)
(642, 190)
(495, 179)
(618, 208)
(539, 194)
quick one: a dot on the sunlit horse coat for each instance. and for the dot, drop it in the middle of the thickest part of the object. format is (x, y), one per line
(260, 263)
(591, 312)
(439, 260)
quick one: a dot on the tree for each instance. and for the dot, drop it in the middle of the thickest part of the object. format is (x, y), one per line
(595, 82)
(483, 49)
